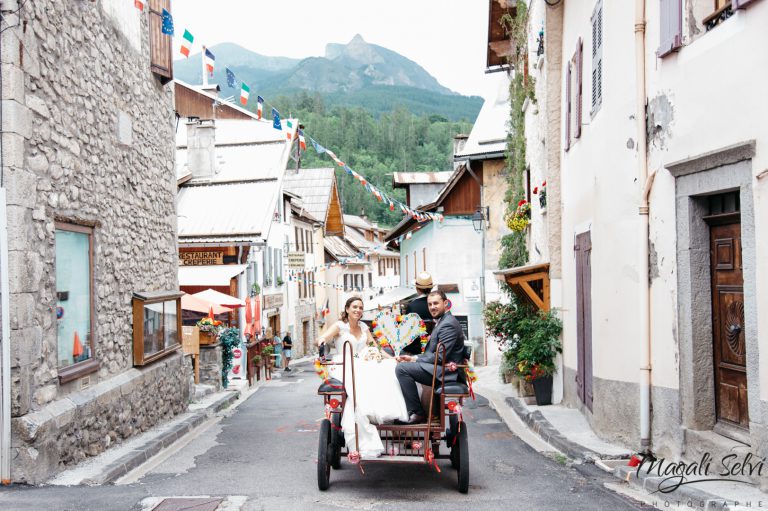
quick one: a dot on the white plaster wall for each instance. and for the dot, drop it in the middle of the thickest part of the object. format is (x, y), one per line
(600, 190)
(453, 254)
(127, 19)
(716, 88)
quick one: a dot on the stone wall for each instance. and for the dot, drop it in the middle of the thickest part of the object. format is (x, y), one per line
(303, 312)
(86, 423)
(88, 138)
(91, 141)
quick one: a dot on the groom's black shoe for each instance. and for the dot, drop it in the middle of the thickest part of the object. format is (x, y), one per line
(413, 419)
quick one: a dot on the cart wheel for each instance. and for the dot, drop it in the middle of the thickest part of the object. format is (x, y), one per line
(323, 452)
(337, 440)
(462, 457)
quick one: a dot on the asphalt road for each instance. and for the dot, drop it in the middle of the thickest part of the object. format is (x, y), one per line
(266, 450)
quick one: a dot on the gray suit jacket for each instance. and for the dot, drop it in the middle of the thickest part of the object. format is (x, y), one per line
(448, 332)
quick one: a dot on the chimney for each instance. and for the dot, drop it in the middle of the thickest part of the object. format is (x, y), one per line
(459, 141)
(201, 148)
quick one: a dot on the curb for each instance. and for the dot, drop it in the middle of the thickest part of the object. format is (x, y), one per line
(542, 427)
(694, 498)
(133, 459)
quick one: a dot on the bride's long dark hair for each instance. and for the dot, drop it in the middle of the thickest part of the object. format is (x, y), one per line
(344, 316)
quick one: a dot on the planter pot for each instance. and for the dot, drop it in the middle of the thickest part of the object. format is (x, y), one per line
(207, 338)
(543, 390)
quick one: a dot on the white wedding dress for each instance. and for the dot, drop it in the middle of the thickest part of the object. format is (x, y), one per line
(379, 398)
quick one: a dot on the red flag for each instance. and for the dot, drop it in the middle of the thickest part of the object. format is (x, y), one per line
(77, 347)
(139, 5)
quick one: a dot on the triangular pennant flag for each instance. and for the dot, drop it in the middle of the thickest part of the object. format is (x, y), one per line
(318, 148)
(139, 5)
(186, 43)
(245, 91)
(230, 78)
(210, 61)
(276, 120)
(167, 23)
(259, 107)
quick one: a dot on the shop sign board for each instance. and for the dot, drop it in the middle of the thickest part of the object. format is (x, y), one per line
(273, 301)
(296, 260)
(201, 258)
(190, 340)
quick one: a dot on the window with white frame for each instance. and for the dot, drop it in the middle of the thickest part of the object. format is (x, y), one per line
(597, 58)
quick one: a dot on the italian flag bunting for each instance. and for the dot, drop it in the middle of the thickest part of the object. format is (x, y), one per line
(186, 43)
(289, 133)
(259, 107)
(245, 91)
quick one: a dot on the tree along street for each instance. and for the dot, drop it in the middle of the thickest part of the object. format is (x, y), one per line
(266, 450)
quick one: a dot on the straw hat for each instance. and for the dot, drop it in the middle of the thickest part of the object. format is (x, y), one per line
(424, 281)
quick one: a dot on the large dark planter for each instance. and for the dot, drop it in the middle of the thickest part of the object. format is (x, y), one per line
(542, 387)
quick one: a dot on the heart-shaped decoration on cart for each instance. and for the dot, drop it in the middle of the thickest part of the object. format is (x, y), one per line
(398, 330)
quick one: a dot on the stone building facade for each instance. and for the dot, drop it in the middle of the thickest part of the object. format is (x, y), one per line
(87, 147)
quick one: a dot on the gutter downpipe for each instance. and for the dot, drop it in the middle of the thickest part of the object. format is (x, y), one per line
(643, 263)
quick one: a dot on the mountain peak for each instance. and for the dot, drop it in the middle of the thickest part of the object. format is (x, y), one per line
(357, 39)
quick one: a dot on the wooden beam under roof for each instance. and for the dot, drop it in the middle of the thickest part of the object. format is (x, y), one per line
(529, 283)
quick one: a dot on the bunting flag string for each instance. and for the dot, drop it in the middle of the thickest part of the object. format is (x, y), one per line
(210, 62)
(340, 287)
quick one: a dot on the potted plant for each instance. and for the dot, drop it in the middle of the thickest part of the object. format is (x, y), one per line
(266, 354)
(279, 281)
(230, 339)
(542, 193)
(255, 289)
(209, 330)
(519, 219)
(536, 350)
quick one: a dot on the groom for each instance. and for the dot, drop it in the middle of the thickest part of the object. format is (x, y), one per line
(420, 368)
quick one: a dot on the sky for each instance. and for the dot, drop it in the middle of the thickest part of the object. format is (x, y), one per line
(447, 38)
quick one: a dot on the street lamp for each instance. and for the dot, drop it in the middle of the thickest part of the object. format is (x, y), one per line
(478, 222)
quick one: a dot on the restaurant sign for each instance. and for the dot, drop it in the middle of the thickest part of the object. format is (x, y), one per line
(201, 258)
(296, 260)
(271, 301)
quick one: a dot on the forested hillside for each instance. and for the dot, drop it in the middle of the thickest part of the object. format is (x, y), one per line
(395, 141)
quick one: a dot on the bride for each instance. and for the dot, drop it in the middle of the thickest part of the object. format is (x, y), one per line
(379, 398)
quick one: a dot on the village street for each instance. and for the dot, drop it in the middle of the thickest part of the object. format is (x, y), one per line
(266, 451)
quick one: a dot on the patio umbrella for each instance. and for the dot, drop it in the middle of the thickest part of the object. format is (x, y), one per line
(213, 296)
(196, 304)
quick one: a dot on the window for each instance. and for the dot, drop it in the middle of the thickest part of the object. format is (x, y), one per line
(406, 270)
(573, 97)
(370, 279)
(296, 231)
(156, 325)
(597, 58)
(312, 286)
(74, 301)
(160, 45)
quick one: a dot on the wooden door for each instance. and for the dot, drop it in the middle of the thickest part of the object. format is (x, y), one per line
(583, 251)
(305, 335)
(730, 355)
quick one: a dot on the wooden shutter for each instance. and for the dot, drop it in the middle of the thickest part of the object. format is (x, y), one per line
(568, 106)
(579, 86)
(583, 252)
(671, 26)
(597, 58)
(160, 45)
